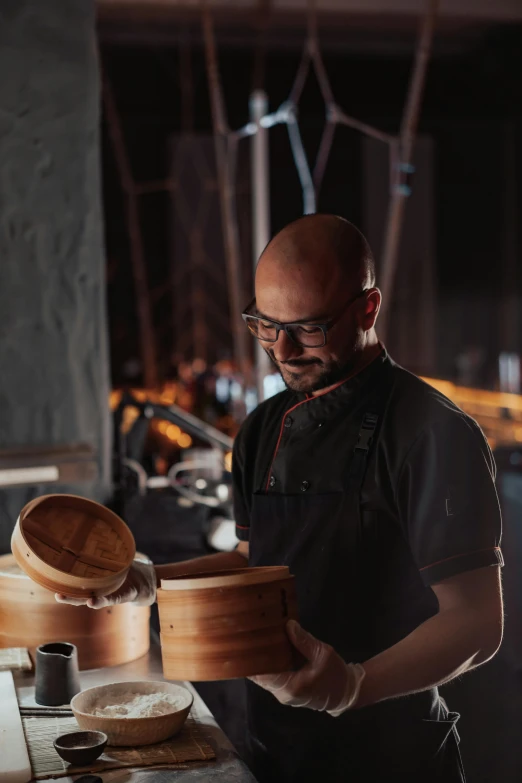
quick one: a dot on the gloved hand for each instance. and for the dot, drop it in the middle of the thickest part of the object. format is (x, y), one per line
(139, 587)
(324, 683)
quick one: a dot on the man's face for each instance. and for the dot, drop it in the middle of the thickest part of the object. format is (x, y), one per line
(313, 294)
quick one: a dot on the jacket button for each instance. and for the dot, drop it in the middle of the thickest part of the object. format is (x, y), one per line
(272, 481)
(288, 421)
(305, 485)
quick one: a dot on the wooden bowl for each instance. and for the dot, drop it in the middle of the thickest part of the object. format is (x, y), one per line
(80, 747)
(132, 731)
(30, 616)
(72, 545)
(227, 624)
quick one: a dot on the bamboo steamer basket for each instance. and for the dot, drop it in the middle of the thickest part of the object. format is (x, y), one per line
(72, 545)
(30, 616)
(227, 624)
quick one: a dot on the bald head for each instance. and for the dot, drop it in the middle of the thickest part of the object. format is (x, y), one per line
(318, 270)
(326, 244)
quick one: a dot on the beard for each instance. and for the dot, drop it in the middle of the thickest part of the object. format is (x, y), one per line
(320, 375)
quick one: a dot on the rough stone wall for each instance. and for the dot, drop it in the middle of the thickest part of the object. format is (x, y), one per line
(54, 376)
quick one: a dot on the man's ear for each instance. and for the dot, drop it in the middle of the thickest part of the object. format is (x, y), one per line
(371, 308)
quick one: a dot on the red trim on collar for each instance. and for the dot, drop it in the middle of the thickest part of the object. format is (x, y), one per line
(280, 436)
(349, 377)
(314, 397)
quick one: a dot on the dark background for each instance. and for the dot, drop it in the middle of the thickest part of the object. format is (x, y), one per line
(473, 99)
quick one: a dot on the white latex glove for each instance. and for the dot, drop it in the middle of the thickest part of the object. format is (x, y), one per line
(139, 587)
(324, 683)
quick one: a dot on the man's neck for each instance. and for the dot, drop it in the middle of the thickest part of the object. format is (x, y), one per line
(365, 357)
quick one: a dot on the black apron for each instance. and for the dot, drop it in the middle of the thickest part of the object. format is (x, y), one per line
(319, 537)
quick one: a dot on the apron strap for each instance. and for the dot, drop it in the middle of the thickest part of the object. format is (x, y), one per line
(367, 430)
(362, 449)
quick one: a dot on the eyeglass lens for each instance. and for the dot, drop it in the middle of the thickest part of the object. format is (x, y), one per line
(306, 335)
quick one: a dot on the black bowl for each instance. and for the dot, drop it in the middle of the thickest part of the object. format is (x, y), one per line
(80, 747)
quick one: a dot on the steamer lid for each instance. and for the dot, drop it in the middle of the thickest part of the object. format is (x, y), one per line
(73, 536)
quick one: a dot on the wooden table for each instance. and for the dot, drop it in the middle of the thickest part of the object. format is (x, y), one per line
(226, 768)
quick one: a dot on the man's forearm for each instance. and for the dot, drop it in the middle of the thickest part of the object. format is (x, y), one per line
(221, 561)
(443, 647)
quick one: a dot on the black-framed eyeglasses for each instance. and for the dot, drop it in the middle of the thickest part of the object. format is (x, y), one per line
(303, 333)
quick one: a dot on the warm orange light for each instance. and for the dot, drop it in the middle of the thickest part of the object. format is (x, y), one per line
(161, 466)
(114, 399)
(491, 399)
(185, 400)
(167, 397)
(130, 414)
(228, 461)
(498, 413)
(184, 441)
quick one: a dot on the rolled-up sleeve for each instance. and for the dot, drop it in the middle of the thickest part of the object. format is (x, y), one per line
(448, 502)
(239, 489)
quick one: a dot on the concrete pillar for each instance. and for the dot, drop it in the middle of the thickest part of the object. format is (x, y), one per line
(54, 384)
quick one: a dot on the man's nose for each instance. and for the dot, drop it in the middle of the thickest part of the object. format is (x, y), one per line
(284, 349)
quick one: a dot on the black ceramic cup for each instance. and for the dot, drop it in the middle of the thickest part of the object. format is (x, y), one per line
(81, 747)
(56, 674)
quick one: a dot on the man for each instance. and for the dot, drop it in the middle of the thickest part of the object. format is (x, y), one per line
(379, 495)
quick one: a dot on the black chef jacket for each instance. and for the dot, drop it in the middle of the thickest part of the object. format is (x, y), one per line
(429, 499)
(428, 510)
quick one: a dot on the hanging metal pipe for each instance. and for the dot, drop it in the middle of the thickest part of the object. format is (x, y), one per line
(400, 189)
(225, 162)
(260, 174)
(136, 247)
(301, 161)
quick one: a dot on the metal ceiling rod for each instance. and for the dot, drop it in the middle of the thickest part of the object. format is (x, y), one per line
(226, 152)
(400, 184)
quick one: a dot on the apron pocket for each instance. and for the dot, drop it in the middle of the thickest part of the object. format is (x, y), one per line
(436, 732)
(439, 741)
(418, 751)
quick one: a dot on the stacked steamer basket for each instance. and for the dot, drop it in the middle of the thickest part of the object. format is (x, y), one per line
(228, 624)
(72, 545)
(30, 616)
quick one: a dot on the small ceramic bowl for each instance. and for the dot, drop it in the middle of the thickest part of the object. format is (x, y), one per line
(81, 747)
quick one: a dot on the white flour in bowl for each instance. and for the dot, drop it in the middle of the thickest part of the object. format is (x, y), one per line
(137, 705)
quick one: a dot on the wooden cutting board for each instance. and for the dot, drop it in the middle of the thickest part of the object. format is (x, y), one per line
(14, 759)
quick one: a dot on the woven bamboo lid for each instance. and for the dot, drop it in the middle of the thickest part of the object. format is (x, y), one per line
(72, 545)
